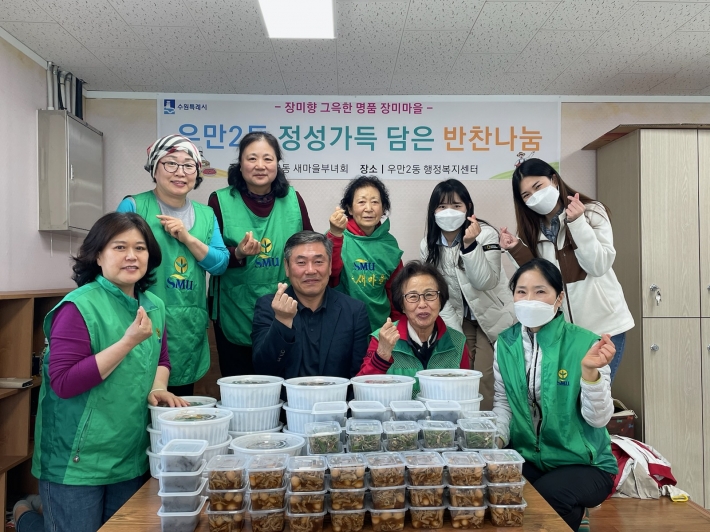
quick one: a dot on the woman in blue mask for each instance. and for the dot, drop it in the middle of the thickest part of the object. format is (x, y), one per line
(553, 396)
(466, 252)
(573, 232)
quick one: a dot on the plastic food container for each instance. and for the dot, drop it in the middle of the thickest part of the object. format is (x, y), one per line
(438, 434)
(467, 496)
(184, 501)
(180, 521)
(477, 434)
(389, 498)
(443, 410)
(482, 414)
(427, 517)
(226, 521)
(506, 493)
(305, 522)
(227, 472)
(364, 435)
(268, 499)
(306, 502)
(254, 419)
(348, 499)
(155, 443)
(425, 468)
(182, 456)
(237, 433)
(401, 435)
(347, 471)
(425, 496)
(250, 391)
(304, 392)
(181, 482)
(307, 473)
(297, 419)
(211, 424)
(267, 471)
(227, 500)
(268, 443)
(467, 518)
(217, 450)
(387, 520)
(267, 520)
(465, 468)
(369, 410)
(323, 437)
(408, 410)
(383, 388)
(507, 515)
(449, 384)
(346, 520)
(504, 465)
(154, 461)
(330, 411)
(386, 469)
(196, 401)
(468, 406)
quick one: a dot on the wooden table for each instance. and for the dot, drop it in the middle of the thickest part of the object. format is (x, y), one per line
(140, 514)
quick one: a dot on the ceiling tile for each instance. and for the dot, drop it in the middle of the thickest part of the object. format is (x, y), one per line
(257, 82)
(231, 25)
(443, 14)
(158, 87)
(23, 11)
(704, 92)
(311, 82)
(178, 48)
(523, 83)
(145, 13)
(430, 51)
(365, 91)
(363, 27)
(679, 50)
(659, 91)
(483, 63)
(421, 83)
(99, 79)
(135, 67)
(685, 80)
(507, 27)
(248, 64)
(588, 71)
(623, 84)
(701, 22)
(472, 83)
(553, 51)
(363, 71)
(305, 55)
(587, 14)
(214, 82)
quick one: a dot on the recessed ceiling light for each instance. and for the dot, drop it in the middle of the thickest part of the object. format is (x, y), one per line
(298, 19)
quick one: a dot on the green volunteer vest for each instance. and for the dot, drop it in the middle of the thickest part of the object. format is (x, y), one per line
(447, 354)
(99, 437)
(565, 437)
(368, 263)
(181, 284)
(237, 289)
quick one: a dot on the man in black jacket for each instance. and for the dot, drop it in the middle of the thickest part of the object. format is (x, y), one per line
(309, 329)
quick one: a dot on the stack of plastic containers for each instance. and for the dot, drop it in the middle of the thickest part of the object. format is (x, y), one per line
(387, 486)
(348, 488)
(467, 489)
(303, 393)
(426, 489)
(401, 436)
(227, 483)
(324, 437)
(306, 493)
(408, 410)
(504, 473)
(267, 492)
(209, 424)
(364, 435)
(477, 434)
(181, 484)
(370, 410)
(459, 385)
(255, 401)
(438, 435)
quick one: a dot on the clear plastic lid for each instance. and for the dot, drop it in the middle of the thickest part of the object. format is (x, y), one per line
(400, 427)
(181, 474)
(415, 459)
(195, 493)
(268, 462)
(346, 460)
(250, 380)
(316, 381)
(520, 506)
(184, 448)
(439, 406)
(507, 484)
(463, 459)
(384, 460)
(363, 426)
(502, 456)
(476, 425)
(323, 428)
(192, 415)
(367, 407)
(383, 379)
(428, 424)
(227, 462)
(307, 463)
(407, 406)
(330, 407)
(163, 513)
(485, 414)
(267, 441)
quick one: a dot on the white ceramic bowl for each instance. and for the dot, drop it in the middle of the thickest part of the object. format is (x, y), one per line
(154, 459)
(254, 419)
(304, 392)
(237, 434)
(383, 388)
(155, 444)
(268, 443)
(250, 391)
(296, 419)
(458, 385)
(215, 450)
(214, 428)
(155, 411)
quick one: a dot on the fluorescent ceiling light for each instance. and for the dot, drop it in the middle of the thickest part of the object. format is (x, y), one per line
(298, 19)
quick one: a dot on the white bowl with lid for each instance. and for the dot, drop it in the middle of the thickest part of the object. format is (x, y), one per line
(199, 400)
(304, 392)
(449, 384)
(268, 443)
(383, 388)
(250, 391)
(211, 424)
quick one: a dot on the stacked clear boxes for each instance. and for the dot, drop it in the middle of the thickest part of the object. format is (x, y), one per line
(438, 435)
(364, 435)
(348, 485)
(369, 410)
(387, 482)
(267, 491)
(504, 473)
(324, 437)
(477, 434)
(425, 487)
(401, 436)
(306, 493)
(467, 489)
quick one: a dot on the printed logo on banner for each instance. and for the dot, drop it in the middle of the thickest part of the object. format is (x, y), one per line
(264, 259)
(168, 107)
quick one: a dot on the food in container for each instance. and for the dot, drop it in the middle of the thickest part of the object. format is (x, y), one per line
(211, 424)
(307, 473)
(330, 411)
(507, 493)
(449, 384)
(254, 419)
(250, 391)
(478, 434)
(383, 388)
(306, 502)
(369, 410)
(427, 517)
(226, 472)
(467, 496)
(443, 410)
(193, 400)
(223, 521)
(504, 465)
(226, 500)
(346, 520)
(467, 518)
(437, 434)
(386, 469)
(408, 410)
(401, 435)
(507, 515)
(465, 468)
(324, 437)
(422, 496)
(482, 414)
(180, 521)
(387, 520)
(308, 522)
(347, 471)
(182, 501)
(268, 499)
(304, 392)
(425, 468)
(388, 498)
(180, 456)
(348, 499)
(266, 471)
(268, 520)
(181, 482)
(268, 443)
(364, 435)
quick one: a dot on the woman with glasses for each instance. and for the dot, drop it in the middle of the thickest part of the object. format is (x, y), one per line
(191, 243)
(420, 340)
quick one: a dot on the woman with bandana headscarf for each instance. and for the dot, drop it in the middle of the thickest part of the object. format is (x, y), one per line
(191, 243)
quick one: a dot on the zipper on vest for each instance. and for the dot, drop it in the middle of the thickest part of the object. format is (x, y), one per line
(81, 438)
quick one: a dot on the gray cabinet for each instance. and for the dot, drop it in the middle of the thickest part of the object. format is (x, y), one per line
(71, 172)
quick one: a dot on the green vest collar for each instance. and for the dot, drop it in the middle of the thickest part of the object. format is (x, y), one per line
(381, 230)
(550, 333)
(129, 302)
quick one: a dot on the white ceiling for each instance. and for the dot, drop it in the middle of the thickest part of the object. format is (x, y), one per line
(573, 47)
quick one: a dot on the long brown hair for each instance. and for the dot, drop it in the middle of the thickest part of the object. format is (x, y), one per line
(528, 220)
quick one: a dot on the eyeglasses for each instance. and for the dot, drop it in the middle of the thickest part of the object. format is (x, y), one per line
(415, 297)
(171, 167)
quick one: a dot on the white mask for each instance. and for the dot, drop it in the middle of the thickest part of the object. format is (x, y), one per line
(544, 200)
(533, 313)
(450, 219)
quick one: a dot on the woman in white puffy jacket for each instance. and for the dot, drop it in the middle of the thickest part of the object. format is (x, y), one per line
(467, 252)
(573, 232)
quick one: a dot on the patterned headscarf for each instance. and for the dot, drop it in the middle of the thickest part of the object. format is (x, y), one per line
(170, 144)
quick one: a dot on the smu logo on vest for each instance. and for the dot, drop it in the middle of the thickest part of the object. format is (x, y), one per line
(562, 378)
(362, 264)
(264, 259)
(364, 274)
(177, 281)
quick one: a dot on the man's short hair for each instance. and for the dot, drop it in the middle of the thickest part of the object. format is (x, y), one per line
(307, 237)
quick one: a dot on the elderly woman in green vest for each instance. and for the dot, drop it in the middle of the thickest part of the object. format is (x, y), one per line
(553, 396)
(366, 257)
(107, 359)
(191, 243)
(420, 339)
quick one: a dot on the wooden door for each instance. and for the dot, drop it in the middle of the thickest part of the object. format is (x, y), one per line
(669, 222)
(705, 364)
(704, 219)
(672, 389)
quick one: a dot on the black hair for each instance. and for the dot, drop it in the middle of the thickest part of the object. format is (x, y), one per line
(363, 181)
(235, 179)
(86, 267)
(415, 268)
(548, 270)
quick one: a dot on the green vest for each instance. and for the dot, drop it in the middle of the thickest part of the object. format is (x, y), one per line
(237, 289)
(181, 283)
(565, 437)
(99, 437)
(368, 263)
(447, 354)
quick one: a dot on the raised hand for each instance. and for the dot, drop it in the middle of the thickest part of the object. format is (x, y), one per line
(507, 240)
(141, 328)
(284, 306)
(247, 247)
(575, 209)
(389, 336)
(173, 226)
(472, 231)
(338, 222)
